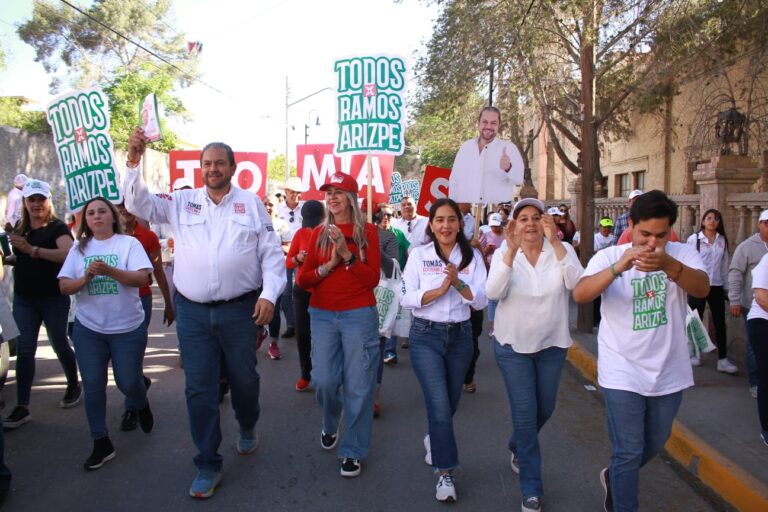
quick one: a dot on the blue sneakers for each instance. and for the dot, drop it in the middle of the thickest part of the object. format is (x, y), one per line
(205, 483)
(247, 442)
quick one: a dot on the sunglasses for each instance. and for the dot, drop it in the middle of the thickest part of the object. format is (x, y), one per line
(388, 215)
(291, 217)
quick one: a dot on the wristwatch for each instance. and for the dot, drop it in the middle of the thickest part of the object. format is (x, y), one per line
(461, 286)
(350, 261)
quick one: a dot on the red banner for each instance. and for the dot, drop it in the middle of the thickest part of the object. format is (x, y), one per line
(433, 187)
(315, 162)
(250, 175)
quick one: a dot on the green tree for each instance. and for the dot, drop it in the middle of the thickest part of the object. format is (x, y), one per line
(11, 114)
(77, 50)
(276, 169)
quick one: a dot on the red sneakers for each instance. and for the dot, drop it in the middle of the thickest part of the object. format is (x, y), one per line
(302, 384)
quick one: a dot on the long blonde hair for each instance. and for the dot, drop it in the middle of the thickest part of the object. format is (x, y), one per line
(358, 227)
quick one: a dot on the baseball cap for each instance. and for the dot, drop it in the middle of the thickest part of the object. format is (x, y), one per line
(312, 213)
(341, 181)
(294, 183)
(494, 220)
(606, 223)
(635, 193)
(763, 216)
(36, 187)
(20, 180)
(528, 201)
(181, 183)
(554, 210)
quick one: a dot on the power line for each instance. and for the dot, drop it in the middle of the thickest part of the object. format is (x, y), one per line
(155, 55)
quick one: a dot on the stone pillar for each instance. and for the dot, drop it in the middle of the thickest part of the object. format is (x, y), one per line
(574, 189)
(723, 175)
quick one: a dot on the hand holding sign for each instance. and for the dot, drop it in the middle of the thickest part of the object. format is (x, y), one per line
(137, 145)
(505, 163)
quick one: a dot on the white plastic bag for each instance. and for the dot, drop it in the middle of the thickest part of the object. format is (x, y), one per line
(388, 300)
(402, 327)
(698, 337)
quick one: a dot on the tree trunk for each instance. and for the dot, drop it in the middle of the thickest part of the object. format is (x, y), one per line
(590, 155)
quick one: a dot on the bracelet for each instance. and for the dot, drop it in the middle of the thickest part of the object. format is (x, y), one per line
(615, 274)
(350, 261)
(322, 271)
(677, 275)
(132, 164)
(461, 286)
(35, 252)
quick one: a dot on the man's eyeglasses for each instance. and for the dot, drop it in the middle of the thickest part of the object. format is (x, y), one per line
(388, 215)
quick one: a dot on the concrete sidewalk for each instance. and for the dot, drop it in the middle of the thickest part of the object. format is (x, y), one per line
(717, 432)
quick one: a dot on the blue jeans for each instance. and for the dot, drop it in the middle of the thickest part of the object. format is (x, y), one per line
(492, 305)
(206, 334)
(94, 350)
(638, 427)
(286, 299)
(390, 345)
(29, 314)
(146, 305)
(531, 381)
(440, 355)
(345, 357)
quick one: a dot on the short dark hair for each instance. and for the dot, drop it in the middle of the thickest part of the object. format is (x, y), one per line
(489, 109)
(219, 145)
(653, 205)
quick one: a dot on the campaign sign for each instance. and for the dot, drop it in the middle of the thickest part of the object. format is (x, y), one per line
(433, 187)
(370, 105)
(149, 119)
(80, 124)
(250, 175)
(403, 188)
(316, 162)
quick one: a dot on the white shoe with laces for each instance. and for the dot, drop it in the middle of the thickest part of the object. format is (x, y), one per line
(695, 361)
(725, 366)
(445, 490)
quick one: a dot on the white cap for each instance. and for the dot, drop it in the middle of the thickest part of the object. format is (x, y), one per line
(554, 210)
(494, 220)
(528, 201)
(181, 183)
(294, 183)
(635, 193)
(20, 180)
(36, 188)
(763, 216)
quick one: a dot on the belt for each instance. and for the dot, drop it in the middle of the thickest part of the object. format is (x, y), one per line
(433, 323)
(216, 303)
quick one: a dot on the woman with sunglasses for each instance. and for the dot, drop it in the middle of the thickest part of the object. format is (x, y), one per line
(443, 280)
(107, 268)
(565, 224)
(711, 243)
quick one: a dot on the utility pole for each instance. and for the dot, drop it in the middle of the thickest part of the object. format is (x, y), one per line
(490, 84)
(287, 165)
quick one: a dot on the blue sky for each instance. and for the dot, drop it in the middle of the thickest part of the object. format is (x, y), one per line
(249, 49)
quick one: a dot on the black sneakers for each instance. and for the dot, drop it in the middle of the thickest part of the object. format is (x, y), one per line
(72, 396)
(19, 416)
(328, 441)
(290, 332)
(103, 451)
(350, 467)
(606, 481)
(146, 420)
(130, 420)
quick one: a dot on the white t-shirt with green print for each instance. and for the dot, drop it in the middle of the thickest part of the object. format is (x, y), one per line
(104, 305)
(642, 345)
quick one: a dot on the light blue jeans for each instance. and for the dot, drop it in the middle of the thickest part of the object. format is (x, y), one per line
(638, 426)
(440, 355)
(345, 358)
(531, 381)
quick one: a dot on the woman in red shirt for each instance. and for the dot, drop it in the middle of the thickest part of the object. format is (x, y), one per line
(342, 269)
(312, 214)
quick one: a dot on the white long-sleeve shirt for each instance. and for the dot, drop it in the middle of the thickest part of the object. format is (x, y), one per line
(532, 313)
(715, 257)
(476, 176)
(424, 272)
(13, 206)
(222, 251)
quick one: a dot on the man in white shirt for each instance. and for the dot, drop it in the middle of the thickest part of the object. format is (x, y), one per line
(486, 169)
(414, 226)
(290, 211)
(15, 201)
(642, 363)
(229, 271)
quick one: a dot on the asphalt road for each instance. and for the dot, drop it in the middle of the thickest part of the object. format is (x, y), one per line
(290, 472)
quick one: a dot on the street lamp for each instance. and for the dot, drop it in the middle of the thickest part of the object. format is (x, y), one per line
(308, 123)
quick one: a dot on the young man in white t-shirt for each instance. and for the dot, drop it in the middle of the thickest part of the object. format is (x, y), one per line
(643, 364)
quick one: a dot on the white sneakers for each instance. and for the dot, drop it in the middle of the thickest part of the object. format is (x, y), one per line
(695, 360)
(445, 490)
(725, 366)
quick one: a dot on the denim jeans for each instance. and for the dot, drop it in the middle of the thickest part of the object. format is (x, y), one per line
(206, 334)
(440, 355)
(492, 305)
(531, 381)
(146, 305)
(638, 427)
(29, 314)
(345, 356)
(287, 299)
(476, 318)
(758, 338)
(390, 345)
(274, 324)
(94, 350)
(303, 330)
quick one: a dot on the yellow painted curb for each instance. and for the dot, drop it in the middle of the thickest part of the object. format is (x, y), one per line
(737, 486)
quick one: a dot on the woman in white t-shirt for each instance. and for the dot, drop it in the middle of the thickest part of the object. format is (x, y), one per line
(530, 275)
(712, 244)
(106, 269)
(442, 280)
(757, 329)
